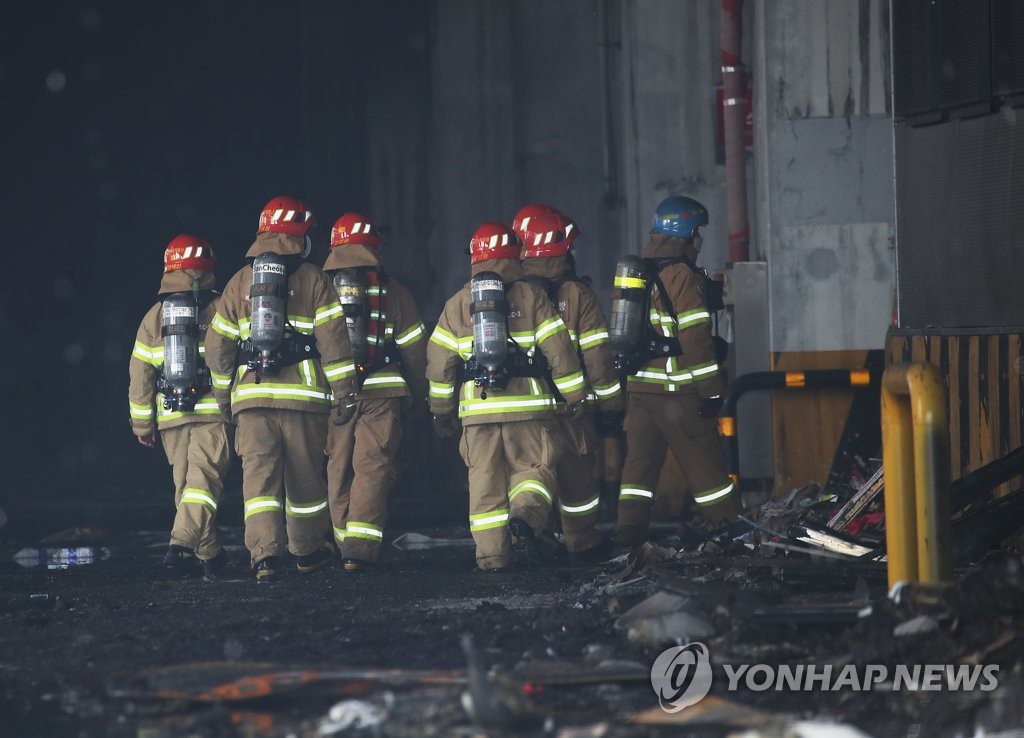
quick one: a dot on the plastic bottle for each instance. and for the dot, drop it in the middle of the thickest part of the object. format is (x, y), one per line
(61, 558)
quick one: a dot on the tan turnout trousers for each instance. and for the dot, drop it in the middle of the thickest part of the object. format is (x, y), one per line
(655, 422)
(200, 456)
(578, 493)
(283, 449)
(511, 475)
(361, 470)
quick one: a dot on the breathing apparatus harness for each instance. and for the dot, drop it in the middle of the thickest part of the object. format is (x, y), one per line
(497, 356)
(649, 344)
(188, 377)
(273, 342)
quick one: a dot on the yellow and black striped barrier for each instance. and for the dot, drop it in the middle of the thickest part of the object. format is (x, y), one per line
(816, 379)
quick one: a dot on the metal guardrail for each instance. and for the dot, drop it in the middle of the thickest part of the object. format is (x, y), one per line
(915, 453)
(812, 379)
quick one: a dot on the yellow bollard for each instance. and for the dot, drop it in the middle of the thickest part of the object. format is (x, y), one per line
(915, 451)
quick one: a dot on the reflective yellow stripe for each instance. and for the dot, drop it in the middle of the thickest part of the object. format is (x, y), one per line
(634, 283)
(488, 520)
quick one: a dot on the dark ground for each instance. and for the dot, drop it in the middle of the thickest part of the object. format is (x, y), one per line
(86, 649)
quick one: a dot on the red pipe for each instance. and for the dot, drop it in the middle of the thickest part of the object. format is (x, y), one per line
(734, 116)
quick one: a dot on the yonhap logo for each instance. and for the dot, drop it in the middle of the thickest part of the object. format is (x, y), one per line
(681, 676)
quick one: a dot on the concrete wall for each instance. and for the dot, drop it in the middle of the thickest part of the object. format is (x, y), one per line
(823, 162)
(604, 107)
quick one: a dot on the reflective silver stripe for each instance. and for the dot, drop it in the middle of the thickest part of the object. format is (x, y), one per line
(418, 331)
(597, 337)
(607, 391)
(203, 498)
(262, 389)
(709, 369)
(489, 405)
(586, 507)
(712, 496)
(445, 339)
(366, 531)
(685, 320)
(636, 492)
(306, 510)
(262, 505)
(496, 518)
(387, 379)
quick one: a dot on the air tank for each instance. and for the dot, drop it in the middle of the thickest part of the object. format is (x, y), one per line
(629, 303)
(181, 341)
(352, 295)
(490, 320)
(267, 294)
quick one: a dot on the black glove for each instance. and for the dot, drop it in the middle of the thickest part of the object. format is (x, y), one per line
(346, 409)
(609, 422)
(577, 409)
(447, 425)
(710, 407)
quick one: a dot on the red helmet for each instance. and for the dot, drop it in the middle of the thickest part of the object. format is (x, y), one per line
(543, 235)
(494, 241)
(285, 215)
(353, 228)
(188, 252)
(548, 235)
(526, 212)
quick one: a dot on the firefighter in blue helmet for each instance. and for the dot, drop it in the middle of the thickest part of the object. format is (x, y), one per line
(674, 383)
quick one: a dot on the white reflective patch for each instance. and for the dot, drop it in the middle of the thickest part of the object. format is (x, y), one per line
(526, 222)
(276, 216)
(289, 216)
(494, 241)
(548, 236)
(634, 492)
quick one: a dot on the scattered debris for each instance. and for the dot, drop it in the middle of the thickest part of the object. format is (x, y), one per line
(60, 558)
(353, 715)
(711, 711)
(490, 702)
(419, 542)
(916, 626)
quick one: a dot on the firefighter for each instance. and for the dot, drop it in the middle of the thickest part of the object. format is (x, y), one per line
(674, 384)
(277, 350)
(169, 381)
(496, 343)
(548, 238)
(390, 348)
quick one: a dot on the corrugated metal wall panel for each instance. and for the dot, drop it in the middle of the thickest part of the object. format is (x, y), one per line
(961, 227)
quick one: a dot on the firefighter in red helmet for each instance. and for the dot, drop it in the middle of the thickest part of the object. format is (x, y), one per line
(548, 239)
(389, 345)
(280, 360)
(494, 361)
(169, 389)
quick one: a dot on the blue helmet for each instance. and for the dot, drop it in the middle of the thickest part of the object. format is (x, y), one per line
(679, 216)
